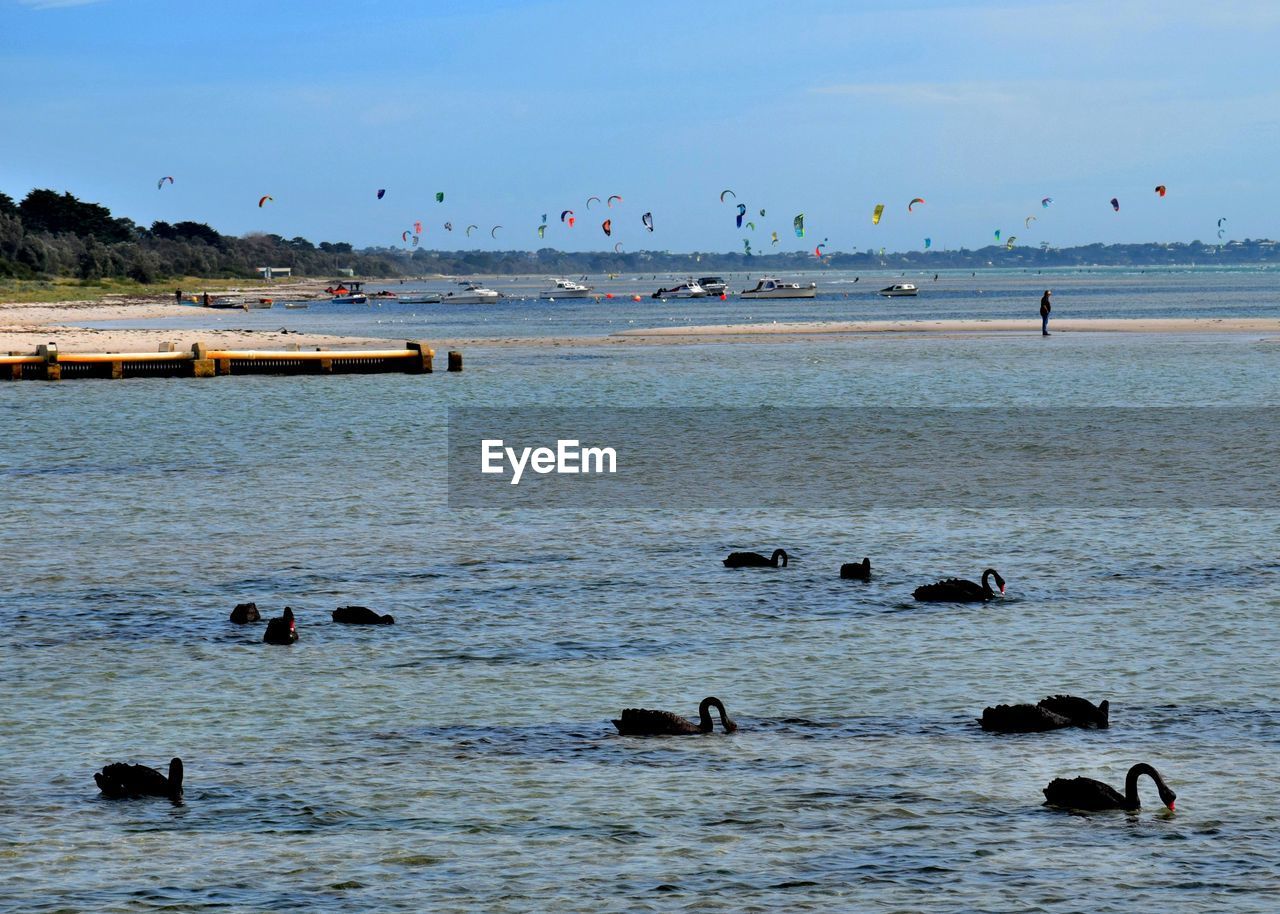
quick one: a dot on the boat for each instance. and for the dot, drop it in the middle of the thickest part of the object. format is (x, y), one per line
(226, 301)
(260, 304)
(349, 293)
(900, 289)
(566, 288)
(771, 287)
(714, 285)
(385, 293)
(471, 293)
(419, 298)
(688, 289)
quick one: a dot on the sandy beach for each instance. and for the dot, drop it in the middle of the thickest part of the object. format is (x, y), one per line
(23, 326)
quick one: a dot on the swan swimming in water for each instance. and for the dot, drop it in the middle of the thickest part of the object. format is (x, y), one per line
(1053, 713)
(644, 722)
(856, 571)
(755, 560)
(120, 781)
(360, 615)
(1088, 794)
(958, 590)
(281, 630)
(244, 613)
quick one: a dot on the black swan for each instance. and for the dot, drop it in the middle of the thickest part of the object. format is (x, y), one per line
(120, 781)
(644, 722)
(281, 630)
(1050, 714)
(244, 613)
(1080, 711)
(1088, 794)
(755, 560)
(856, 571)
(360, 615)
(956, 590)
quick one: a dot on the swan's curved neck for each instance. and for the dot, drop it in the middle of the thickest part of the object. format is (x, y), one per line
(779, 554)
(1131, 782)
(705, 723)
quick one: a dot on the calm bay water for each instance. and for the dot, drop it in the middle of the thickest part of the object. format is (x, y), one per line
(463, 759)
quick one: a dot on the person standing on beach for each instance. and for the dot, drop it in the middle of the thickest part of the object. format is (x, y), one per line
(1045, 308)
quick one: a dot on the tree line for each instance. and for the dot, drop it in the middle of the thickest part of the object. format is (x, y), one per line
(50, 235)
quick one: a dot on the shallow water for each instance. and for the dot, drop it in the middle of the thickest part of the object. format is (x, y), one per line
(993, 294)
(463, 759)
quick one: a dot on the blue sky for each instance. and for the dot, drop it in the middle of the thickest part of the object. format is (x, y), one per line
(515, 109)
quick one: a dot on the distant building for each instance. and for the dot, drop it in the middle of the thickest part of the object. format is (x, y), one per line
(274, 272)
(346, 271)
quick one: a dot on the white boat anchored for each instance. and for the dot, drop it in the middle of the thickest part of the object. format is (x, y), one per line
(471, 293)
(566, 288)
(688, 289)
(420, 298)
(771, 287)
(713, 285)
(900, 290)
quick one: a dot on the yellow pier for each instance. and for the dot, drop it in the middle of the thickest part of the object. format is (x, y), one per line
(48, 364)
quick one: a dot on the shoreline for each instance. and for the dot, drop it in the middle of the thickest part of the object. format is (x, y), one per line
(23, 326)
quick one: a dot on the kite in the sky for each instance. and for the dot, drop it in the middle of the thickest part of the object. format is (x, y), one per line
(382, 192)
(729, 192)
(913, 202)
(1161, 189)
(647, 220)
(160, 183)
(609, 202)
(798, 224)
(264, 199)
(877, 213)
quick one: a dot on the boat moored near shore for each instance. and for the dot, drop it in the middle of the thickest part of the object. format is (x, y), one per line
(771, 287)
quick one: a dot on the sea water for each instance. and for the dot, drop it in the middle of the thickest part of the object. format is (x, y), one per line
(463, 759)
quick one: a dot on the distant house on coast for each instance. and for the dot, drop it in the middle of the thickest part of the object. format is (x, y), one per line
(275, 272)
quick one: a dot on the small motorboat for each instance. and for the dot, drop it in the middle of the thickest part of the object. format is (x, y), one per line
(261, 303)
(566, 288)
(899, 290)
(688, 289)
(770, 287)
(227, 301)
(471, 293)
(713, 285)
(385, 293)
(351, 293)
(420, 298)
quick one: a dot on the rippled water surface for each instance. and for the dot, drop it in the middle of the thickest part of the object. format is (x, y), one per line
(463, 758)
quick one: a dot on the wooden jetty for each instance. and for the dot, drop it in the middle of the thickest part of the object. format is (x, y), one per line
(48, 364)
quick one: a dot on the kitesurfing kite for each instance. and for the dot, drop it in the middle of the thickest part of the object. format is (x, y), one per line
(493, 232)
(647, 220)
(469, 228)
(382, 192)
(1115, 204)
(160, 183)
(264, 199)
(817, 251)
(752, 226)
(928, 243)
(1026, 223)
(729, 192)
(746, 246)
(607, 227)
(542, 231)
(440, 196)
(404, 236)
(448, 226)
(798, 224)
(775, 237)
(617, 248)
(589, 199)
(914, 202)
(742, 211)
(609, 202)
(1161, 189)
(761, 214)
(415, 241)
(1008, 245)
(1046, 201)
(877, 213)
(997, 234)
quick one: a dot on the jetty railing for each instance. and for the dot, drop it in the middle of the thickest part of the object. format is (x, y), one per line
(47, 363)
